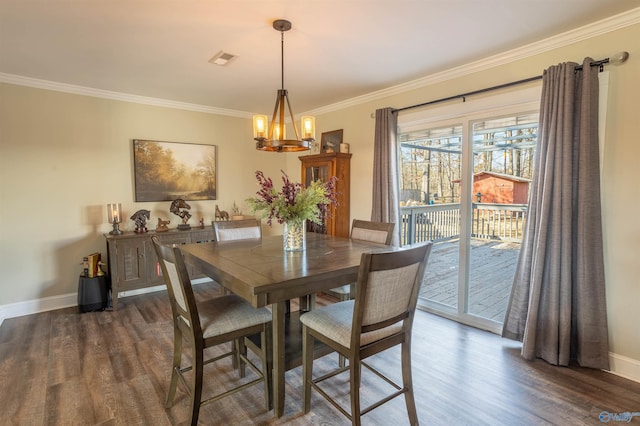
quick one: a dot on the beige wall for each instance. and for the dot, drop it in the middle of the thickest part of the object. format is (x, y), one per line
(63, 157)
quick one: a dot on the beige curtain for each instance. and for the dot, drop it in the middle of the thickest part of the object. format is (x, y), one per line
(385, 205)
(557, 305)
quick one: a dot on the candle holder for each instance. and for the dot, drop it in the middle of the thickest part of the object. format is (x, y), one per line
(114, 214)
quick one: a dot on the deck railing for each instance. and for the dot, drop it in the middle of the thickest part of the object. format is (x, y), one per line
(439, 222)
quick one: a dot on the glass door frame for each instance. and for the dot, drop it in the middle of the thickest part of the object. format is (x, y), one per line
(518, 101)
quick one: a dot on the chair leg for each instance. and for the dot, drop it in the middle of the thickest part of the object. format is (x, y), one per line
(240, 349)
(311, 299)
(307, 368)
(341, 361)
(344, 298)
(196, 390)
(235, 357)
(408, 383)
(175, 366)
(266, 371)
(270, 363)
(307, 303)
(354, 390)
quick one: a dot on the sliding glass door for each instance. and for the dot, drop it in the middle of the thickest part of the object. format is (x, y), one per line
(464, 186)
(502, 165)
(431, 169)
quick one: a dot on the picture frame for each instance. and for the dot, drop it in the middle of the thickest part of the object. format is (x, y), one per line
(165, 171)
(330, 141)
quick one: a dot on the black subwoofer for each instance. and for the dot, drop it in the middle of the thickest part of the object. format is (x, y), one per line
(93, 293)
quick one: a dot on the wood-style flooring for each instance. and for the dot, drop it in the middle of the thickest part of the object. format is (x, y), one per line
(112, 368)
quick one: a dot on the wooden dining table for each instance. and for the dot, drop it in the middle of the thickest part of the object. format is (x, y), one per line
(262, 273)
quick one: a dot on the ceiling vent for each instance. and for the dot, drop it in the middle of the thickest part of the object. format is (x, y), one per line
(222, 58)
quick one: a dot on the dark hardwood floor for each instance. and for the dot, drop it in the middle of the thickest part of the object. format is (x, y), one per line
(112, 368)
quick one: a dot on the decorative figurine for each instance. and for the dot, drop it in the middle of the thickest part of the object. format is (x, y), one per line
(140, 218)
(221, 214)
(201, 222)
(180, 208)
(100, 270)
(162, 225)
(236, 213)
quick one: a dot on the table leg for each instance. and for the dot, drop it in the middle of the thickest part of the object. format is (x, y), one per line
(278, 311)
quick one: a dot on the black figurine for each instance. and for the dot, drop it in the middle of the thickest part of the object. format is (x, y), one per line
(180, 208)
(140, 218)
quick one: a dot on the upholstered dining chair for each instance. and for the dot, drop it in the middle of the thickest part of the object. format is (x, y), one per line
(233, 230)
(237, 229)
(379, 318)
(374, 232)
(205, 324)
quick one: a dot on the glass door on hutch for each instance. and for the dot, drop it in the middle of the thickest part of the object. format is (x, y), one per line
(322, 167)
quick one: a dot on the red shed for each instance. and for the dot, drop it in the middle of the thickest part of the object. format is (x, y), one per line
(500, 188)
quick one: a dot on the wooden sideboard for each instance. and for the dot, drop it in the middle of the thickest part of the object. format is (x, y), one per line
(132, 259)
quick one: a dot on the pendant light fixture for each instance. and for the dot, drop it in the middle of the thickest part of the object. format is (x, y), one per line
(271, 135)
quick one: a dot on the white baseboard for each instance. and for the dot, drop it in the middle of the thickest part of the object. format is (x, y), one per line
(66, 300)
(157, 288)
(37, 305)
(623, 366)
(141, 291)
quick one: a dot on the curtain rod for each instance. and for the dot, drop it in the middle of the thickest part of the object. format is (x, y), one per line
(616, 59)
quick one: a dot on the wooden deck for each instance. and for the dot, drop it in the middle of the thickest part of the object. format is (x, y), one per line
(493, 265)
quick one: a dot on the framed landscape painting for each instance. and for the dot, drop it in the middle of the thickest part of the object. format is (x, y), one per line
(164, 171)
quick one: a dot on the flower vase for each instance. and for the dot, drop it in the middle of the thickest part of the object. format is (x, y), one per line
(294, 236)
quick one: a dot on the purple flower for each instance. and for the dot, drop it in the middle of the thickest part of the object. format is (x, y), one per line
(294, 202)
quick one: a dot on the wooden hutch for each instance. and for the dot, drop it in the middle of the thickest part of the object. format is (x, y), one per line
(322, 167)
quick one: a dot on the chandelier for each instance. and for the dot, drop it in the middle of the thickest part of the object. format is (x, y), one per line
(271, 135)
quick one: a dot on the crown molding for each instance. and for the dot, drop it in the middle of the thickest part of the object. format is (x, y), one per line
(117, 96)
(604, 26)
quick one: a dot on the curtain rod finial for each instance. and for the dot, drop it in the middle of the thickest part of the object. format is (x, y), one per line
(619, 58)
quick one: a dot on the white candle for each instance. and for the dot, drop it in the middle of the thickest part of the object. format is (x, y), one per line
(308, 127)
(261, 127)
(114, 211)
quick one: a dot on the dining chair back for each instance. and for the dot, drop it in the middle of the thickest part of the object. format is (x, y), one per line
(363, 230)
(205, 324)
(375, 232)
(234, 230)
(379, 318)
(237, 229)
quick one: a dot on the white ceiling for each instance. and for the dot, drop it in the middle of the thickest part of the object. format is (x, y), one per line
(336, 50)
